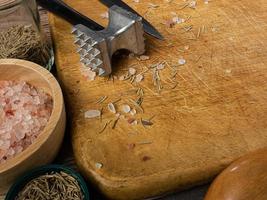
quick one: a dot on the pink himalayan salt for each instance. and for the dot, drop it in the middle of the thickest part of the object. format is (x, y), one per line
(24, 112)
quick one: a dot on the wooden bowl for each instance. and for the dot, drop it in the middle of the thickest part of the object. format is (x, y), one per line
(47, 144)
(244, 179)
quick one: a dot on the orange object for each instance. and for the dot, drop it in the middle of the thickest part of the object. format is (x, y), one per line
(245, 179)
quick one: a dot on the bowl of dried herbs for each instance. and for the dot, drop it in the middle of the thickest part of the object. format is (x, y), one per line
(49, 182)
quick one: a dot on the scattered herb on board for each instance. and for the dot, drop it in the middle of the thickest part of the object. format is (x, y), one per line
(115, 122)
(24, 42)
(137, 105)
(156, 79)
(136, 75)
(130, 120)
(144, 142)
(56, 185)
(105, 126)
(146, 122)
(101, 99)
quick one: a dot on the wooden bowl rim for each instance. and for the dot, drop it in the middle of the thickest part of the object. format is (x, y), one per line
(58, 106)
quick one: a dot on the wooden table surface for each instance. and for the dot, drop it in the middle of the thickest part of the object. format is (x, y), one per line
(216, 112)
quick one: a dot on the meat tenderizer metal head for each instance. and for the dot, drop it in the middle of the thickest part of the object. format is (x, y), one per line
(124, 31)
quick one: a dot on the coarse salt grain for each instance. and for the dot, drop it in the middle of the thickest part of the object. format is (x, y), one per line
(139, 78)
(178, 20)
(132, 71)
(98, 165)
(121, 78)
(186, 47)
(92, 114)
(181, 61)
(135, 122)
(160, 66)
(133, 112)
(192, 4)
(112, 108)
(24, 113)
(144, 57)
(88, 73)
(126, 108)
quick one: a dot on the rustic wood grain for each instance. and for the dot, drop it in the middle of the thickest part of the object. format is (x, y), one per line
(245, 179)
(216, 113)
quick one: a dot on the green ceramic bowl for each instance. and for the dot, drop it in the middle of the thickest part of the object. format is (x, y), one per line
(22, 181)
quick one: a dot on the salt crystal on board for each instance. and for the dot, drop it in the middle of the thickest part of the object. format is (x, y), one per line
(132, 71)
(121, 78)
(178, 20)
(160, 66)
(92, 114)
(192, 4)
(112, 108)
(139, 78)
(181, 61)
(126, 108)
(98, 165)
(186, 47)
(133, 112)
(144, 57)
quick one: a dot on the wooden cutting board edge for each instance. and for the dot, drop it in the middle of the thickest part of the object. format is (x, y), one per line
(154, 185)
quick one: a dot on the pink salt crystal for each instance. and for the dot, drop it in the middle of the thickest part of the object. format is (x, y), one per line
(2, 154)
(24, 113)
(6, 145)
(1, 143)
(20, 135)
(7, 136)
(11, 152)
(36, 100)
(18, 149)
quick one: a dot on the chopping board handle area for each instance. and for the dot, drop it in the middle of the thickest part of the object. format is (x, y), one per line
(245, 179)
(61, 9)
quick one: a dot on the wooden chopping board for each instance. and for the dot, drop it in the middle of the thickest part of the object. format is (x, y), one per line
(211, 112)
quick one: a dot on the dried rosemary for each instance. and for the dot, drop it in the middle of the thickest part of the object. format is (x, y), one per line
(24, 42)
(57, 185)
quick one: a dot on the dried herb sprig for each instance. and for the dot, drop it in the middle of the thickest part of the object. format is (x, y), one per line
(24, 42)
(57, 185)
